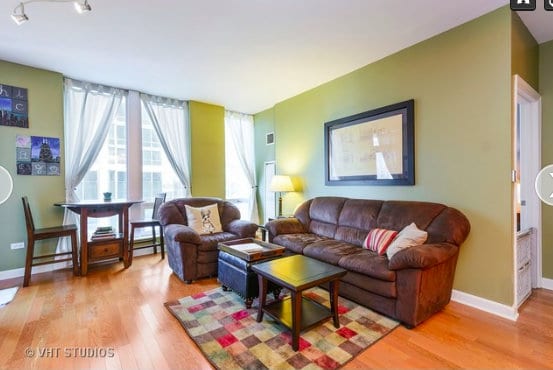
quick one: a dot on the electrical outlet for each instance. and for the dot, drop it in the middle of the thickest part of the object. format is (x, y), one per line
(19, 245)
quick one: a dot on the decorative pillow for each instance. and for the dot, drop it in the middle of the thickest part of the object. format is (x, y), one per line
(378, 240)
(410, 236)
(204, 220)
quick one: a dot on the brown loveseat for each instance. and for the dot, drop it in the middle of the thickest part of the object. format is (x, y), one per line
(193, 256)
(414, 284)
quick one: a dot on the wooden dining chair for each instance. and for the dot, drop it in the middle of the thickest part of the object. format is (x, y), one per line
(152, 223)
(34, 234)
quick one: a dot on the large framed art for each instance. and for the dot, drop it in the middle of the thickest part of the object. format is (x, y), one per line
(376, 147)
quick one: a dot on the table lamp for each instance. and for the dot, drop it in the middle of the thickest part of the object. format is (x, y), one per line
(281, 184)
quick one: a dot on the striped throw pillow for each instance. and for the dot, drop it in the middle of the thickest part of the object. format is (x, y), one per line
(378, 240)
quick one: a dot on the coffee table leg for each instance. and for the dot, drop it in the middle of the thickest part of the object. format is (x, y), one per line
(296, 319)
(262, 296)
(334, 302)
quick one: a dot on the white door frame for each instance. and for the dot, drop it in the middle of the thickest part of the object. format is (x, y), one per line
(530, 114)
(269, 198)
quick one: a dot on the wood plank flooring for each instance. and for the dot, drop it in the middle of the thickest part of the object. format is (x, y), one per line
(120, 312)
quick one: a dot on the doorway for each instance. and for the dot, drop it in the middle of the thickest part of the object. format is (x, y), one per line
(526, 204)
(270, 199)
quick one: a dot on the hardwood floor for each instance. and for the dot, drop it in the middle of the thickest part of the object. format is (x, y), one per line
(115, 319)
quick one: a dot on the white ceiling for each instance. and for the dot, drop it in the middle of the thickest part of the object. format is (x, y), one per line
(245, 55)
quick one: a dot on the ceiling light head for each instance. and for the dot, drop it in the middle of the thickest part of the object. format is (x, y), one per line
(19, 17)
(82, 6)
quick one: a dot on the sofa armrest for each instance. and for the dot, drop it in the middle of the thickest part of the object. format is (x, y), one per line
(422, 256)
(288, 225)
(242, 228)
(181, 233)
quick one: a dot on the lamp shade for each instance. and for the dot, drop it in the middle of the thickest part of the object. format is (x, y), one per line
(281, 184)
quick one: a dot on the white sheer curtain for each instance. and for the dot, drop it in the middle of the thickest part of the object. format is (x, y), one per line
(170, 120)
(241, 130)
(88, 111)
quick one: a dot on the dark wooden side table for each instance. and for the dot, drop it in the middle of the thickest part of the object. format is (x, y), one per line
(298, 273)
(102, 249)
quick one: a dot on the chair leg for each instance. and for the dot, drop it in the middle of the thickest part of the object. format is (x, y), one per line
(29, 262)
(74, 254)
(154, 240)
(131, 245)
(161, 242)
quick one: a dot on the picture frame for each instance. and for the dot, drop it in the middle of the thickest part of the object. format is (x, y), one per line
(376, 147)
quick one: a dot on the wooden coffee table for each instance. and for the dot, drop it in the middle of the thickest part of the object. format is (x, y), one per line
(298, 273)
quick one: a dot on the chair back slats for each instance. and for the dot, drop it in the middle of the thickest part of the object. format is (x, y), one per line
(28, 216)
(34, 234)
(159, 200)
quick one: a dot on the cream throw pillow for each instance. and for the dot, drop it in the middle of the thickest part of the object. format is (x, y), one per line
(410, 236)
(204, 220)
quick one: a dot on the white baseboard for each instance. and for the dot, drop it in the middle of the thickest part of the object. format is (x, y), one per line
(16, 273)
(495, 308)
(547, 283)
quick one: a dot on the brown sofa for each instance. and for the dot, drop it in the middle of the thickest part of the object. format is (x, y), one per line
(193, 256)
(410, 287)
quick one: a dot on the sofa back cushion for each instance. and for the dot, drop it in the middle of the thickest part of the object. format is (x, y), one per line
(357, 218)
(173, 211)
(350, 220)
(324, 213)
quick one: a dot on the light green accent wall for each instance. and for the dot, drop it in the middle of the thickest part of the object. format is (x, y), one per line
(546, 92)
(264, 124)
(45, 93)
(207, 128)
(524, 52)
(461, 83)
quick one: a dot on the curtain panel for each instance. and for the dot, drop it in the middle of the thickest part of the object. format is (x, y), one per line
(241, 130)
(170, 120)
(88, 111)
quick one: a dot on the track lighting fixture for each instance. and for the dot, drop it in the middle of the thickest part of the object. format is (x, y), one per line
(19, 16)
(82, 7)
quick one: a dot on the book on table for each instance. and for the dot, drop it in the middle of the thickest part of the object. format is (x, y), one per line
(103, 232)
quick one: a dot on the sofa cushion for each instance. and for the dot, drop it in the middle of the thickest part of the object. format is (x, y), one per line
(368, 263)
(370, 284)
(395, 215)
(330, 250)
(378, 240)
(410, 236)
(357, 218)
(210, 241)
(324, 213)
(296, 242)
(204, 220)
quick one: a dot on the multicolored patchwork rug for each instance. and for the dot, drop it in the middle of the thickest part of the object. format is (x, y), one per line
(230, 337)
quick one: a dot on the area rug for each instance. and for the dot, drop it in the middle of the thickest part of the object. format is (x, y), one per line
(230, 337)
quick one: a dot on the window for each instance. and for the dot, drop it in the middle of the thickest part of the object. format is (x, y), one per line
(240, 164)
(132, 150)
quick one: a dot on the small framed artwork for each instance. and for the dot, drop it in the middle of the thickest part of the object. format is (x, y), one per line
(270, 138)
(376, 147)
(37, 155)
(14, 106)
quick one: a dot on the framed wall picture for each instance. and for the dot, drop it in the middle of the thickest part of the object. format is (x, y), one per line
(376, 147)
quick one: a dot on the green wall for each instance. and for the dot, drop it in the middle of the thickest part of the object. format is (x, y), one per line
(45, 119)
(207, 128)
(546, 92)
(461, 83)
(524, 52)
